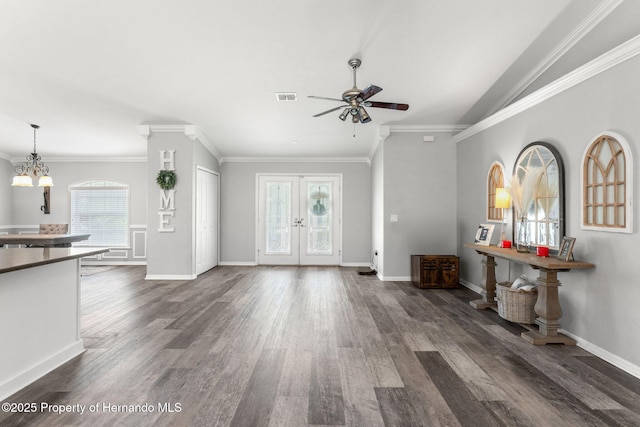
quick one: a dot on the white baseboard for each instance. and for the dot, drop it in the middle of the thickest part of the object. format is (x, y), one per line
(109, 262)
(394, 278)
(170, 277)
(25, 378)
(238, 263)
(603, 354)
(355, 264)
(475, 288)
(600, 352)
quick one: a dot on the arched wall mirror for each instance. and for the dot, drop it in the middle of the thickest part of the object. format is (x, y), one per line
(537, 188)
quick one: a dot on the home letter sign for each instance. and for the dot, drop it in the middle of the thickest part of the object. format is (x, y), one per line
(167, 197)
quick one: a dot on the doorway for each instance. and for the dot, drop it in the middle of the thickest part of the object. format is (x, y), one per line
(299, 219)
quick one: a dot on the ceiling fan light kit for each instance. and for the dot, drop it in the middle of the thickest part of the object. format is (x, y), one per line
(357, 99)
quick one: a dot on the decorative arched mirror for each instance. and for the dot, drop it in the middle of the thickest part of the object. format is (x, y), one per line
(537, 192)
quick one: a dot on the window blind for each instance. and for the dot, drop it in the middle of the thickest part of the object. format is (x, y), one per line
(102, 212)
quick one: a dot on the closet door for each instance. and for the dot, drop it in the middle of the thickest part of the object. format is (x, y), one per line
(206, 220)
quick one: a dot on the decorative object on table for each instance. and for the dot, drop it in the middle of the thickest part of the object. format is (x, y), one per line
(483, 234)
(503, 201)
(566, 248)
(506, 244)
(542, 251)
(523, 193)
(516, 304)
(166, 179)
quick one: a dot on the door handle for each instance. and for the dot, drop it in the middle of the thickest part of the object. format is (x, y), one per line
(300, 222)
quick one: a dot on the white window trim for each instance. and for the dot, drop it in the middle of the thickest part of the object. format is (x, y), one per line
(118, 186)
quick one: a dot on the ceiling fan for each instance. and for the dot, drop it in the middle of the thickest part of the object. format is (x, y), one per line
(357, 99)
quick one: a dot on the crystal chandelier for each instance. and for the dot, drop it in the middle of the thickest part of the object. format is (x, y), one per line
(32, 168)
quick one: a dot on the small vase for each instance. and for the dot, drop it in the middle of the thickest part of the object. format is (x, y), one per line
(523, 236)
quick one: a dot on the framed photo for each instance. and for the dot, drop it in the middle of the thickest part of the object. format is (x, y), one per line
(566, 248)
(483, 235)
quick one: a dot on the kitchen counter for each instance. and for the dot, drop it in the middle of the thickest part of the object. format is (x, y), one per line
(39, 312)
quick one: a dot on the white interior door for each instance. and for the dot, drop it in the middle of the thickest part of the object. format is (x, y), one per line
(299, 220)
(206, 220)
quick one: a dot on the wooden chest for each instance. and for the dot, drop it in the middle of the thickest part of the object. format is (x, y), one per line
(435, 271)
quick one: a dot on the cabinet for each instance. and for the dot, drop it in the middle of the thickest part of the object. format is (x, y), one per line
(435, 271)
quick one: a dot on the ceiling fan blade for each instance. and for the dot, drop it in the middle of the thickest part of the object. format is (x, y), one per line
(389, 105)
(324, 97)
(329, 111)
(369, 91)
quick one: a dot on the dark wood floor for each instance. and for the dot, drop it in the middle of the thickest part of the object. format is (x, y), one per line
(287, 346)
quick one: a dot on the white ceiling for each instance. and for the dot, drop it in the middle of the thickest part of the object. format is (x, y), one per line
(89, 72)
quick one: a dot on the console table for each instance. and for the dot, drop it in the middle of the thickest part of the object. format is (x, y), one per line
(548, 304)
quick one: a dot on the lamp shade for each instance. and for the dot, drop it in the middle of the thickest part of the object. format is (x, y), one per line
(503, 198)
(45, 181)
(22, 180)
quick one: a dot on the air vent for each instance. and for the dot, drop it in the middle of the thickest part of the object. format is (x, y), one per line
(286, 96)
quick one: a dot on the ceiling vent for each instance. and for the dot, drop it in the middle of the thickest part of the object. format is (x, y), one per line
(286, 96)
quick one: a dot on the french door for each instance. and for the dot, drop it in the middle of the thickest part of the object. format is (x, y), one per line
(299, 220)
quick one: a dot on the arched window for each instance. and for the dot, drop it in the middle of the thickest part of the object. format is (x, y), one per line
(101, 208)
(495, 179)
(607, 179)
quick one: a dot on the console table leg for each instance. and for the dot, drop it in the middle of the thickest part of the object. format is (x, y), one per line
(549, 311)
(489, 279)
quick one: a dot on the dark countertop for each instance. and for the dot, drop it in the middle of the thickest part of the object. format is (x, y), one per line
(12, 259)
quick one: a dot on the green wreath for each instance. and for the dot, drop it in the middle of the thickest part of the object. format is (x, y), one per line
(166, 179)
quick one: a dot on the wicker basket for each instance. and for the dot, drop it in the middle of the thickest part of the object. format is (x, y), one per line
(516, 305)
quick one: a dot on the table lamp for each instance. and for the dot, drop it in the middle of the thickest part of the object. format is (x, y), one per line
(503, 201)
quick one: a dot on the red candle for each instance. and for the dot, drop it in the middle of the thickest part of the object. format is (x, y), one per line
(506, 243)
(542, 251)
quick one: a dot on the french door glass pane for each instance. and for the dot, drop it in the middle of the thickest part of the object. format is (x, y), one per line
(278, 219)
(319, 202)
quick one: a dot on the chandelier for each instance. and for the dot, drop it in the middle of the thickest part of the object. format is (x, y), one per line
(32, 168)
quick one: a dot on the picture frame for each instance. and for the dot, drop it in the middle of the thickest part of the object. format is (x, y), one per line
(565, 253)
(483, 234)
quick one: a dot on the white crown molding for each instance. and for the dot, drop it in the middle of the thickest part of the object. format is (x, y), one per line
(426, 128)
(581, 30)
(382, 133)
(614, 57)
(97, 158)
(146, 130)
(6, 157)
(294, 160)
(192, 132)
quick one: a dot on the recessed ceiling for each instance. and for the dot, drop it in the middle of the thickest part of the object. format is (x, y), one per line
(89, 72)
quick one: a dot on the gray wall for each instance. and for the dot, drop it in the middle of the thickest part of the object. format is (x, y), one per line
(6, 193)
(26, 201)
(599, 305)
(238, 207)
(419, 186)
(172, 254)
